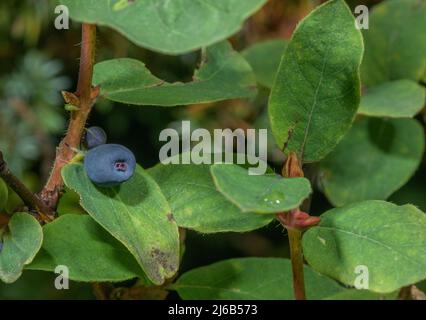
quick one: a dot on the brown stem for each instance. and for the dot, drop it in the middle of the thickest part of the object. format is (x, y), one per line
(291, 221)
(84, 97)
(417, 294)
(296, 254)
(295, 239)
(4, 219)
(405, 293)
(29, 198)
(101, 291)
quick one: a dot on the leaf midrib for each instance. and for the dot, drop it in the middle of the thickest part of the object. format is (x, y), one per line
(377, 242)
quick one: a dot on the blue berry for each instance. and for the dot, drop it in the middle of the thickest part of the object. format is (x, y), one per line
(95, 136)
(109, 165)
(1, 246)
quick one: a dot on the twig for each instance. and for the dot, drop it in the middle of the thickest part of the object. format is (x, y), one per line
(29, 198)
(84, 98)
(417, 294)
(295, 240)
(296, 254)
(295, 221)
(405, 293)
(4, 219)
(101, 291)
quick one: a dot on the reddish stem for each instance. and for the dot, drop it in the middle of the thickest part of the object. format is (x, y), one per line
(85, 97)
(295, 240)
(293, 221)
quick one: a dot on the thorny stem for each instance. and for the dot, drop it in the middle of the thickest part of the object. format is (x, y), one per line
(84, 99)
(29, 198)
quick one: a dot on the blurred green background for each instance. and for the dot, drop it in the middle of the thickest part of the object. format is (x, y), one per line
(39, 61)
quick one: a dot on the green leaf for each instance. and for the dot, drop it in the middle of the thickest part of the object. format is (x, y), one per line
(376, 158)
(269, 193)
(274, 154)
(264, 57)
(387, 239)
(395, 99)
(21, 242)
(198, 205)
(359, 294)
(69, 202)
(317, 89)
(137, 214)
(171, 27)
(89, 252)
(239, 279)
(395, 44)
(4, 194)
(224, 74)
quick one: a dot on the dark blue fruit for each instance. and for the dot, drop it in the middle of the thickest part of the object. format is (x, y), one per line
(109, 165)
(95, 136)
(1, 246)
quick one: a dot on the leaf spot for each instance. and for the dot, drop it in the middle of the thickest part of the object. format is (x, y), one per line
(322, 240)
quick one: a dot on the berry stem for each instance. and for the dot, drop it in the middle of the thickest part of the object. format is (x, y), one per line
(86, 97)
(29, 198)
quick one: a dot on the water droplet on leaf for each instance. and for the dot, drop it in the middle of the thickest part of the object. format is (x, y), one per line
(274, 198)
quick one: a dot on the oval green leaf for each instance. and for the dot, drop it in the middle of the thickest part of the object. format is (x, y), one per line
(238, 279)
(264, 57)
(395, 99)
(376, 158)
(387, 240)
(198, 205)
(224, 74)
(317, 89)
(395, 44)
(88, 251)
(268, 193)
(21, 241)
(171, 27)
(137, 214)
